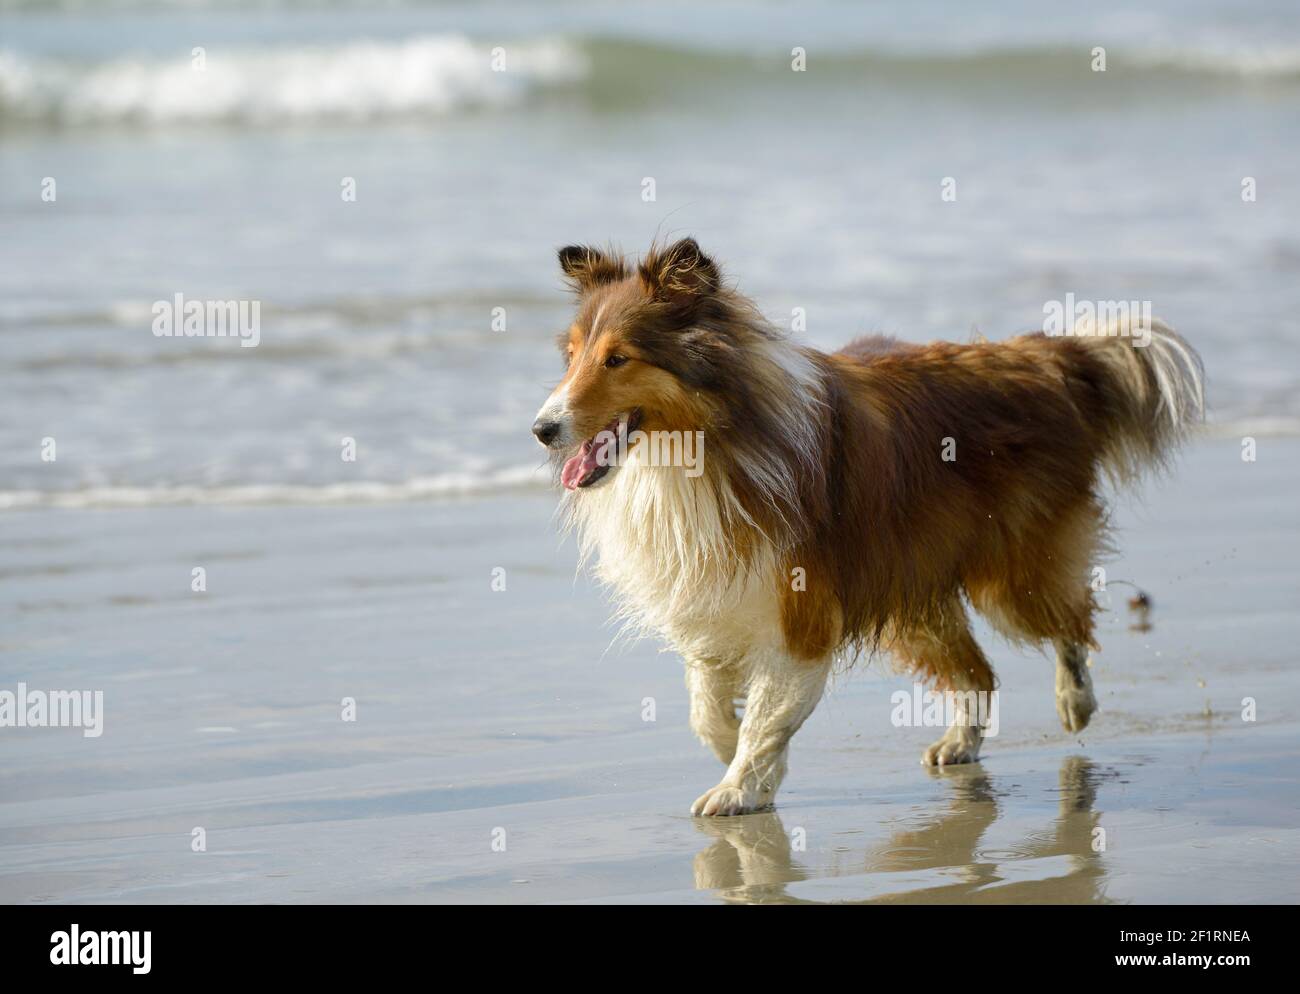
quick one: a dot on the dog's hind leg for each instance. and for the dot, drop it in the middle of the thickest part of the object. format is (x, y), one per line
(1050, 600)
(714, 687)
(1075, 702)
(946, 652)
(781, 693)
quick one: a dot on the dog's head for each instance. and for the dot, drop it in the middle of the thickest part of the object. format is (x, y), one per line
(644, 353)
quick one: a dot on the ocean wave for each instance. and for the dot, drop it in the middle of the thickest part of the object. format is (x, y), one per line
(443, 74)
(423, 77)
(138, 313)
(509, 480)
(1244, 62)
(365, 328)
(946, 65)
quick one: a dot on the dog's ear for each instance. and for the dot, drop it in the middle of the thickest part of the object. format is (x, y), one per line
(586, 267)
(679, 274)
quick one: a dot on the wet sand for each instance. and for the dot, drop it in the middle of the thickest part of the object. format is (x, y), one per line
(500, 751)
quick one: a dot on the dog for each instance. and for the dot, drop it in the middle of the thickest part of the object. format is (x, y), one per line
(846, 503)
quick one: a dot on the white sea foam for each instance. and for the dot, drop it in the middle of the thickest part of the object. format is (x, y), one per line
(423, 77)
(512, 479)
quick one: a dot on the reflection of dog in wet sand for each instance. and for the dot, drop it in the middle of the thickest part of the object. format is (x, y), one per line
(845, 501)
(751, 861)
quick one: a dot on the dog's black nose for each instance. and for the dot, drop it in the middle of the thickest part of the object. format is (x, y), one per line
(546, 431)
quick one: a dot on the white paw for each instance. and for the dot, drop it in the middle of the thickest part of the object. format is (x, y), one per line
(1074, 706)
(959, 745)
(724, 800)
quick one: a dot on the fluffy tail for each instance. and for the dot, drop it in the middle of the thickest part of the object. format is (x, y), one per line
(1146, 391)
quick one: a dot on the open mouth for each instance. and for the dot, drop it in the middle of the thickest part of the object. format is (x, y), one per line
(599, 453)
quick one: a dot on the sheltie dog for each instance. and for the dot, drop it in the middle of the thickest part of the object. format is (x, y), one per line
(844, 503)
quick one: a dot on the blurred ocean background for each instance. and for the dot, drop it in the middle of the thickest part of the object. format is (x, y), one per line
(816, 189)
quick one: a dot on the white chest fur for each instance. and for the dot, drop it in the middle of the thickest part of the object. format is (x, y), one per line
(659, 539)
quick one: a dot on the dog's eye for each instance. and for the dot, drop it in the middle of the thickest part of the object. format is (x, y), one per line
(615, 360)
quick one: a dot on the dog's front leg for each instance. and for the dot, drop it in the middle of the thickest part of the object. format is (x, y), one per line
(714, 687)
(781, 694)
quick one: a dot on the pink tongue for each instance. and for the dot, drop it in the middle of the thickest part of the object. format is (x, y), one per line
(579, 466)
(589, 457)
